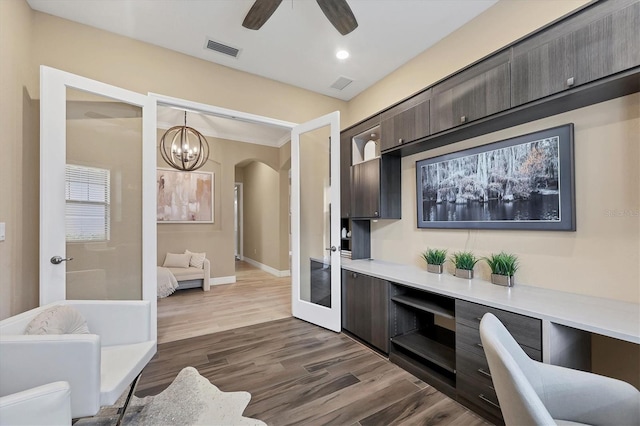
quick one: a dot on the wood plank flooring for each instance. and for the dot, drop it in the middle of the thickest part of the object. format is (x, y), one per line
(256, 297)
(300, 374)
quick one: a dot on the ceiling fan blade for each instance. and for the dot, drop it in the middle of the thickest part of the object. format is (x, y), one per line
(339, 14)
(259, 13)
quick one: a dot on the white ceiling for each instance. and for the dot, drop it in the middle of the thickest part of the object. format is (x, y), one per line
(296, 46)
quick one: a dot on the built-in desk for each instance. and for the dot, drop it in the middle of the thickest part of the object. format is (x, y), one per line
(607, 317)
(550, 325)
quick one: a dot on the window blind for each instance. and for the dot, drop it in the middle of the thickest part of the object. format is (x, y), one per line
(87, 207)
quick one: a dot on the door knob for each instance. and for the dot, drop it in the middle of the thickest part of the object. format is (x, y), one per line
(332, 248)
(56, 260)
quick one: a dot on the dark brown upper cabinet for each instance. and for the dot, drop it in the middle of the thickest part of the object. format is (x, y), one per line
(375, 188)
(600, 41)
(476, 92)
(347, 159)
(405, 122)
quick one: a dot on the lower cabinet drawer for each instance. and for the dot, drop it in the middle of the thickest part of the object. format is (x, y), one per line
(526, 330)
(478, 394)
(469, 339)
(474, 366)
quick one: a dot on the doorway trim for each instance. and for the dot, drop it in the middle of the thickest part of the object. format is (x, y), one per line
(219, 111)
(162, 100)
(240, 219)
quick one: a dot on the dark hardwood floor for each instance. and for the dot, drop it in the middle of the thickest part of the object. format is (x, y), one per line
(301, 374)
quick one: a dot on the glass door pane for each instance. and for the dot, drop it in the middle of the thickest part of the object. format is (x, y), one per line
(103, 197)
(315, 215)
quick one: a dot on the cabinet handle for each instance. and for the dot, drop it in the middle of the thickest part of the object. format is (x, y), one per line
(482, 397)
(400, 140)
(484, 372)
(479, 345)
(354, 275)
(570, 81)
(375, 213)
(463, 119)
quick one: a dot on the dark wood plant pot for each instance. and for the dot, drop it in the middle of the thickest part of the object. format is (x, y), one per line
(505, 280)
(436, 269)
(464, 273)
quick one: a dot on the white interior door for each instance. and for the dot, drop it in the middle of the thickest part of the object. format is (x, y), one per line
(315, 221)
(97, 190)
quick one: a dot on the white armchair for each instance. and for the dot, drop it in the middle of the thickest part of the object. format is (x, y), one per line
(46, 405)
(533, 393)
(98, 366)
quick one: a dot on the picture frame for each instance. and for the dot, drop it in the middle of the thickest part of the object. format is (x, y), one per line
(184, 197)
(526, 182)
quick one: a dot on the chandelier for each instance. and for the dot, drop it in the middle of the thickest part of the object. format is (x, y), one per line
(184, 148)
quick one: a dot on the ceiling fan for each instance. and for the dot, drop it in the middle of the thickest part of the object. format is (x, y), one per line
(337, 12)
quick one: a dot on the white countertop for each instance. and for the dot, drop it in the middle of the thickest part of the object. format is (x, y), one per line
(608, 317)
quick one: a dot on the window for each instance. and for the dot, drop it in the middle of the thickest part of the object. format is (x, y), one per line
(87, 201)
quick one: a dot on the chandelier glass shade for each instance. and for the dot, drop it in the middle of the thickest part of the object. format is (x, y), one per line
(184, 148)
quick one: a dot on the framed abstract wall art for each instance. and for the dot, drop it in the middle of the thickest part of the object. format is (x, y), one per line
(526, 182)
(184, 197)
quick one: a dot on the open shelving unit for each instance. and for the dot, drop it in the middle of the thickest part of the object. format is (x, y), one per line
(420, 340)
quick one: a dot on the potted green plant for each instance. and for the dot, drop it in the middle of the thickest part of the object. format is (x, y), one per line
(435, 258)
(503, 267)
(464, 262)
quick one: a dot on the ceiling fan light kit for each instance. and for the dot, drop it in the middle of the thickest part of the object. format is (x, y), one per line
(184, 148)
(337, 12)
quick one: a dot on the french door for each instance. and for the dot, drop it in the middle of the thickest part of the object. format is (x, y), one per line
(97, 190)
(315, 221)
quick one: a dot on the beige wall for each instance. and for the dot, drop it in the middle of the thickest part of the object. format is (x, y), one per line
(589, 261)
(261, 185)
(19, 170)
(143, 67)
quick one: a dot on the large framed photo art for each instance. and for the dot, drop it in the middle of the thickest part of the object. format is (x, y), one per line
(184, 197)
(526, 182)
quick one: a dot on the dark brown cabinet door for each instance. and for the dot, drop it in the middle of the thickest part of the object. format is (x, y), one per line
(365, 189)
(474, 93)
(365, 308)
(406, 122)
(600, 41)
(376, 189)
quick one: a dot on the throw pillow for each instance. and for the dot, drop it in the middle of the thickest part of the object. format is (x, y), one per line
(60, 319)
(175, 260)
(197, 259)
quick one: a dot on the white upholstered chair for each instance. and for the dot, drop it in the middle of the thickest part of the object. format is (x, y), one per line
(533, 393)
(46, 405)
(98, 366)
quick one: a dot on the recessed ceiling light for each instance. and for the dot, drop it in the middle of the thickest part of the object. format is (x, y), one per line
(342, 54)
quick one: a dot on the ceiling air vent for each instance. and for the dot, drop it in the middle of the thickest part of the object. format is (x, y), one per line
(222, 48)
(341, 83)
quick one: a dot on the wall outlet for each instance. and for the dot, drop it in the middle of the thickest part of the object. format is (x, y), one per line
(2, 231)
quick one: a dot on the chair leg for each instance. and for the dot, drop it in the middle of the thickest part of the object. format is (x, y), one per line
(123, 410)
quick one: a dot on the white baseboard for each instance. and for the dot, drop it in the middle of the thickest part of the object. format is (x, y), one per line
(266, 268)
(222, 280)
